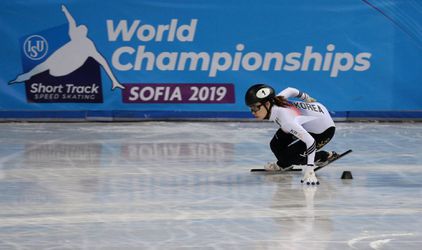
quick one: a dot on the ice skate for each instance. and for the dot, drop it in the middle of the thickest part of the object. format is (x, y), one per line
(272, 166)
(309, 177)
(332, 155)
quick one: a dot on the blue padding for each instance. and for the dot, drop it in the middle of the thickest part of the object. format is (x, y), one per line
(118, 115)
(151, 115)
(180, 114)
(23, 115)
(381, 115)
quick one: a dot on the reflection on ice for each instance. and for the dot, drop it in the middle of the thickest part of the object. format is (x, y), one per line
(168, 151)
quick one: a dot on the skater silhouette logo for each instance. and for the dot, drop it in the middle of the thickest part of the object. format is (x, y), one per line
(63, 64)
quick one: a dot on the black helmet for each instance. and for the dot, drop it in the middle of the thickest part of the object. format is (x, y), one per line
(259, 93)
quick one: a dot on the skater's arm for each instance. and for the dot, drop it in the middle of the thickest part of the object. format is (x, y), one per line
(70, 19)
(293, 92)
(102, 61)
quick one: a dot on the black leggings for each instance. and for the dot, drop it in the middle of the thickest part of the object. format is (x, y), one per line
(291, 151)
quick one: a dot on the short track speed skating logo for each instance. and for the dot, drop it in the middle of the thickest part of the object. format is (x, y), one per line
(57, 69)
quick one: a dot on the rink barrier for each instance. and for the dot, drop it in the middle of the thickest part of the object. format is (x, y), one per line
(125, 115)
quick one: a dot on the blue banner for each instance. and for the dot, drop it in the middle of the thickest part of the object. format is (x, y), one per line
(140, 59)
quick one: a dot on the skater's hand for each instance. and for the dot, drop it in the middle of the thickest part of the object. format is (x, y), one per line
(309, 177)
(310, 99)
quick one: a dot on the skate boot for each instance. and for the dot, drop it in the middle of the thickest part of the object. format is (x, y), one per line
(332, 155)
(309, 177)
(272, 166)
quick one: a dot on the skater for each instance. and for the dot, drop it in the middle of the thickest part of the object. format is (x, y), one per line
(304, 127)
(71, 56)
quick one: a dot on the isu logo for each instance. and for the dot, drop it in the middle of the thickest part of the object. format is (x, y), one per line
(35, 47)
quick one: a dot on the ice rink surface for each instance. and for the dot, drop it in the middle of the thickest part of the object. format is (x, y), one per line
(187, 185)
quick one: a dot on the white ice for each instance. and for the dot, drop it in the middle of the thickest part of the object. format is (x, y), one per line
(187, 185)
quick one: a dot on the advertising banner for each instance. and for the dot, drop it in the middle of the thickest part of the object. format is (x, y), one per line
(136, 59)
